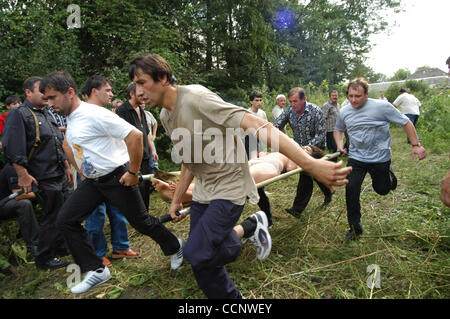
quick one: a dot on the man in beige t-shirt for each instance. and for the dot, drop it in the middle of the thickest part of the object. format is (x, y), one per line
(204, 130)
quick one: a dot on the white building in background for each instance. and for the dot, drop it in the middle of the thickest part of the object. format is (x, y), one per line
(433, 77)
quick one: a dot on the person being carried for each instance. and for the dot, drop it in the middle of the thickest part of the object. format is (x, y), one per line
(266, 166)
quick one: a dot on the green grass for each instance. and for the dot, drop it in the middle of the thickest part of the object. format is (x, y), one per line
(406, 234)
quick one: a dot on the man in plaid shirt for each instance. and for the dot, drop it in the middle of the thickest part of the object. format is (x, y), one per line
(308, 125)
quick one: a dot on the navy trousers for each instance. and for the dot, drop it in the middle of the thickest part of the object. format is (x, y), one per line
(212, 244)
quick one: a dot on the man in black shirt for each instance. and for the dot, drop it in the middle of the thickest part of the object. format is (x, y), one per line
(20, 207)
(33, 145)
(132, 112)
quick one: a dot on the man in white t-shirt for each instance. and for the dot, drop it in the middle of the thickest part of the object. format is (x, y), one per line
(108, 151)
(256, 99)
(409, 105)
(196, 117)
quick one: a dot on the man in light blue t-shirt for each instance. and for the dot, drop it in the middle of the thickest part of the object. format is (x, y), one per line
(367, 124)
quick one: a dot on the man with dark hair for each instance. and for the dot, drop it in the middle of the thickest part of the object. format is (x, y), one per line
(330, 112)
(108, 151)
(132, 112)
(33, 144)
(367, 123)
(223, 183)
(409, 105)
(99, 92)
(308, 125)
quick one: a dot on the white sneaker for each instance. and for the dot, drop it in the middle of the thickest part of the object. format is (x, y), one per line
(261, 238)
(92, 279)
(177, 259)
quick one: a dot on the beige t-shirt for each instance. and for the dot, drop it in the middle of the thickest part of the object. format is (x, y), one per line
(205, 132)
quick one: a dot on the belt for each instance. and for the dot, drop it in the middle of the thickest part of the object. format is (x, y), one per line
(107, 177)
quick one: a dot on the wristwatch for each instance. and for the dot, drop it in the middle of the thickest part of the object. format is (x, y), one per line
(413, 145)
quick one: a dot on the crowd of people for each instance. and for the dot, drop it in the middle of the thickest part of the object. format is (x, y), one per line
(82, 162)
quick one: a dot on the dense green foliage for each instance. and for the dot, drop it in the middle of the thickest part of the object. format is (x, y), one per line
(231, 47)
(228, 46)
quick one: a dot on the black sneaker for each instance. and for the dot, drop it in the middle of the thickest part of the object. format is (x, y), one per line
(393, 179)
(54, 263)
(293, 212)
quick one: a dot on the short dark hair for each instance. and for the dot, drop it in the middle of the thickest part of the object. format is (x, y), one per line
(448, 60)
(152, 64)
(12, 99)
(28, 84)
(402, 90)
(358, 82)
(333, 91)
(61, 81)
(255, 94)
(301, 92)
(94, 82)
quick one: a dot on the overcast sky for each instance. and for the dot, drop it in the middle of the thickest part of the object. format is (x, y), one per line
(420, 38)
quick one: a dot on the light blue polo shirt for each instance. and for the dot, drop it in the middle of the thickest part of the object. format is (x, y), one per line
(368, 129)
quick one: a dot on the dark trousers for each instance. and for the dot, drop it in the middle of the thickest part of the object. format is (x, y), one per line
(331, 144)
(51, 198)
(413, 118)
(24, 212)
(212, 244)
(264, 204)
(144, 186)
(89, 194)
(304, 191)
(382, 177)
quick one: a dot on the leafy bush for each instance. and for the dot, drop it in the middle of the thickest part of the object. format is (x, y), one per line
(434, 121)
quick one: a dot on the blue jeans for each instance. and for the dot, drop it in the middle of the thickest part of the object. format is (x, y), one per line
(413, 118)
(212, 244)
(151, 163)
(96, 221)
(119, 232)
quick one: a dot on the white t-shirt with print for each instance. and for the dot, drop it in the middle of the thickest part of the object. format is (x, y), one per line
(96, 136)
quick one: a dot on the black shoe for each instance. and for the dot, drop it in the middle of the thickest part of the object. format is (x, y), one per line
(327, 200)
(293, 212)
(33, 250)
(354, 233)
(62, 251)
(393, 179)
(54, 263)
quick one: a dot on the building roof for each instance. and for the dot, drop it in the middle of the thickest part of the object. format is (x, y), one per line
(427, 73)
